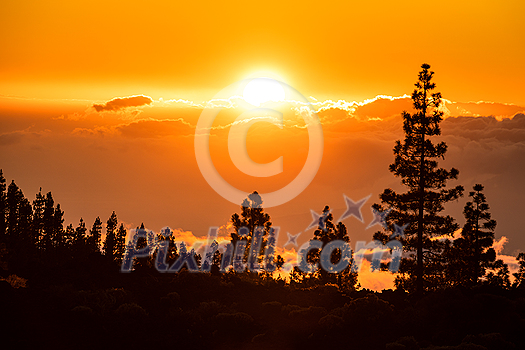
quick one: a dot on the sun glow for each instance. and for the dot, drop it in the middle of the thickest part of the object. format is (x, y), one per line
(261, 90)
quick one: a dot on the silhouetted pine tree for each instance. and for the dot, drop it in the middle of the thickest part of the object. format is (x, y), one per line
(3, 206)
(498, 275)
(95, 235)
(59, 239)
(79, 241)
(111, 237)
(327, 232)
(416, 164)
(148, 262)
(37, 225)
(198, 257)
(48, 224)
(519, 276)
(172, 254)
(18, 240)
(120, 243)
(18, 217)
(209, 256)
(163, 261)
(13, 200)
(114, 244)
(252, 216)
(69, 235)
(472, 254)
(80, 236)
(216, 263)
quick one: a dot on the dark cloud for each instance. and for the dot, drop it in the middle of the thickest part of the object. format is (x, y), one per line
(123, 102)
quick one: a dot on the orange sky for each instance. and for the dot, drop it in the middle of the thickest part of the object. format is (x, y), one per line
(62, 61)
(190, 49)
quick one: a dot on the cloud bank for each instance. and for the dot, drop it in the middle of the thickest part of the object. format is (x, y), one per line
(145, 166)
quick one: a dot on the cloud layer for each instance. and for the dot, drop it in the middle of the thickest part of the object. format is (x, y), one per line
(143, 166)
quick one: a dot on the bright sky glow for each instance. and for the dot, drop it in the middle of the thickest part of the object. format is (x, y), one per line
(261, 90)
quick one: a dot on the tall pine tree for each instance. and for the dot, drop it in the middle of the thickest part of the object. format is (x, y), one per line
(415, 162)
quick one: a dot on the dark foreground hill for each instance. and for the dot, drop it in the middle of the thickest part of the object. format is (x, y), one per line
(146, 309)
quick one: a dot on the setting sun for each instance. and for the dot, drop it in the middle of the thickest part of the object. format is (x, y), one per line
(261, 90)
